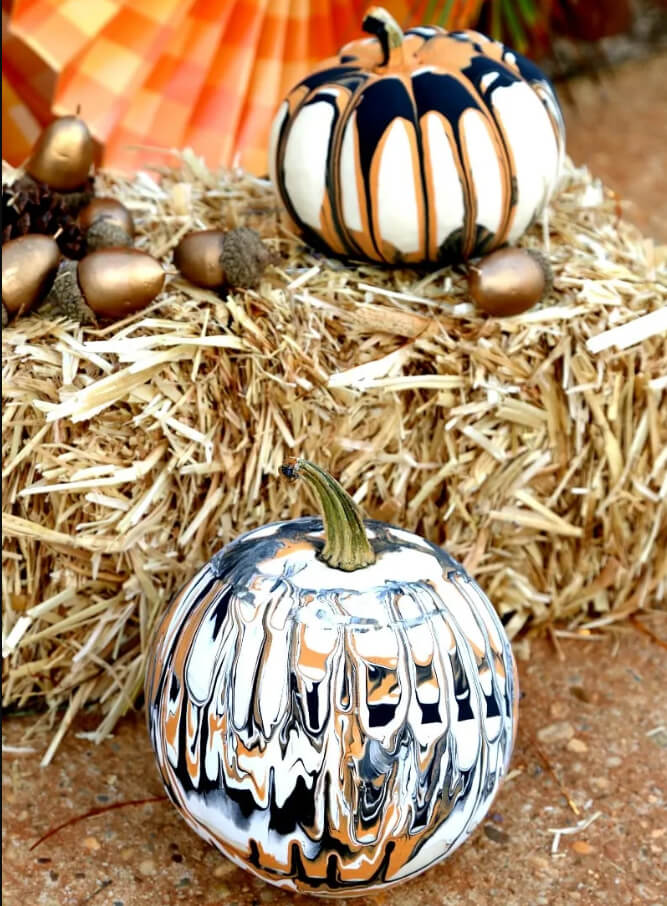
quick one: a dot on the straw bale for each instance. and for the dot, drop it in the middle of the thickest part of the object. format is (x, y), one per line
(533, 447)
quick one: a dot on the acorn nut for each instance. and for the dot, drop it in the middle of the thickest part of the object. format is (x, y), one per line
(28, 266)
(509, 281)
(110, 210)
(63, 154)
(198, 256)
(213, 259)
(118, 281)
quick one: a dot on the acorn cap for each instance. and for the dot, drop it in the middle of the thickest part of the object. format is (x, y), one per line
(65, 299)
(198, 256)
(116, 282)
(63, 154)
(104, 233)
(509, 281)
(244, 257)
(110, 210)
(28, 266)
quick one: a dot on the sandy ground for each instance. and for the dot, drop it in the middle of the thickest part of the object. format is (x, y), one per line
(591, 750)
(617, 126)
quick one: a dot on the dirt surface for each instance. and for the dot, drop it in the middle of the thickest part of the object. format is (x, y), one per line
(593, 728)
(617, 126)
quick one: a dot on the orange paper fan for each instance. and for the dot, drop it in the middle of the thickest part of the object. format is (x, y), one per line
(152, 76)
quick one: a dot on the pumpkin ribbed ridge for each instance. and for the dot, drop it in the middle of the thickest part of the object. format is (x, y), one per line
(464, 123)
(332, 731)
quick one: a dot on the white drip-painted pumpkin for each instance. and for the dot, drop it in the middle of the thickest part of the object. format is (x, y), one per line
(428, 146)
(332, 703)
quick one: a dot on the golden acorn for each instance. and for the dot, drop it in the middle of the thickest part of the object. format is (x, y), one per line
(28, 266)
(63, 154)
(198, 256)
(118, 281)
(108, 209)
(213, 259)
(509, 281)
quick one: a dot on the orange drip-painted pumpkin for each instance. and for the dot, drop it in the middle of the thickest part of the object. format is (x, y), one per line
(428, 146)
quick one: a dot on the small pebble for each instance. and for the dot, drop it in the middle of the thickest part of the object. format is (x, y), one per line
(577, 745)
(559, 710)
(614, 761)
(91, 843)
(221, 870)
(583, 848)
(561, 731)
(660, 738)
(600, 784)
(580, 693)
(494, 833)
(147, 867)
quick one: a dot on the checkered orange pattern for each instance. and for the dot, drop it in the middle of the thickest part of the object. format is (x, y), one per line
(20, 128)
(152, 76)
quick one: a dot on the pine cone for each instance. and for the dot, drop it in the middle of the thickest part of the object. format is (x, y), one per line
(29, 206)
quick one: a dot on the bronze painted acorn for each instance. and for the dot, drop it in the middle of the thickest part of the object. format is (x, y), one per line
(63, 154)
(332, 703)
(118, 281)
(29, 264)
(509, 281)
(214, 258)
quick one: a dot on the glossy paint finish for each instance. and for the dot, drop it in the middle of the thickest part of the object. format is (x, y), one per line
(332, 732)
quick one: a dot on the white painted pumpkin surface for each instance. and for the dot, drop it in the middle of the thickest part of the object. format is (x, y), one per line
(333, 732)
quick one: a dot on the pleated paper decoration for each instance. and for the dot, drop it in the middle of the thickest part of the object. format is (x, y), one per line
(20, 127)
(150, 76)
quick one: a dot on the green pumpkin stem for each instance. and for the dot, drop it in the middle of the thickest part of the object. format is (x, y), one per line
(347, 546)
(382, 24)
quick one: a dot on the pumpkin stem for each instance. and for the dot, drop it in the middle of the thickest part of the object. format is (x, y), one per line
(347, 546)
(382, 24)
